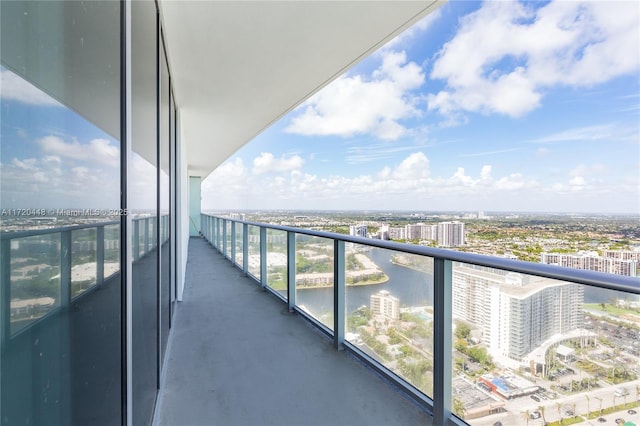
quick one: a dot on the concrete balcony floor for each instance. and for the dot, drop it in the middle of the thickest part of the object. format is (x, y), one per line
(238, 357)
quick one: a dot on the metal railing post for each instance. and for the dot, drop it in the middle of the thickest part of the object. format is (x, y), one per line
(65, 268)
(100, 255)
(145, 249)
(219, 235)
(5, 288)
(338, 293)
(263, 257)
(224, 237)
(245, 249)
(136, 239)
(442, 335)
(291, 270)
(233, 241)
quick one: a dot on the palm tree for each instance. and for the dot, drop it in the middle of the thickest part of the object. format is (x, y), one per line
(526, 415)
(599, 399)
(541, 409)
(588, 405)
(559, 407)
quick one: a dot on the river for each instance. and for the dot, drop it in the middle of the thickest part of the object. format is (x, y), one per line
(413, 288)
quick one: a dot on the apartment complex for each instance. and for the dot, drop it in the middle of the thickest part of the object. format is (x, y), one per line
(385, 305)
(515, 313)
(358, 231)
(620, 263)
(447, 234)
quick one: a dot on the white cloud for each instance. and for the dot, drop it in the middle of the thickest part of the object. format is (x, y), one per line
(267, 163)
(411, 184)
(45, 183)
(99, 151)
(505, 54)
(360, 105)
(587, 133)
(14, 88)
(415, 166)
(414, 31)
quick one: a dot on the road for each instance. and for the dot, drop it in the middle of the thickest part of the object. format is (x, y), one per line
(518, 406)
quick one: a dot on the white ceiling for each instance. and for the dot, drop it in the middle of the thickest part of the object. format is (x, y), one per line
(239, 66)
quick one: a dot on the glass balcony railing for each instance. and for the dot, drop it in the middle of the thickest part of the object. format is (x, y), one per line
(44, 270)
(476, 339)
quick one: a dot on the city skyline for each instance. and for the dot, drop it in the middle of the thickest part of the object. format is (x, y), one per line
(541, 116)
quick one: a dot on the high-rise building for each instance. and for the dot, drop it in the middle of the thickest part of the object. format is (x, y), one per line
(384, 304)
(358, 231)
(397, 233)
(451, 234)
(623, 264)
(515, 313)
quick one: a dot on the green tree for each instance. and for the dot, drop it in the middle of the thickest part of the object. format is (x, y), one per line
(458, 408)
(463, 331)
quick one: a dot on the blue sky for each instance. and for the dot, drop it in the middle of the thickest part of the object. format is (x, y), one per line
(481, 106)
(496, 106)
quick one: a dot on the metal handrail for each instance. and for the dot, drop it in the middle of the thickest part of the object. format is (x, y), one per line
(214, 229)
(579, 276)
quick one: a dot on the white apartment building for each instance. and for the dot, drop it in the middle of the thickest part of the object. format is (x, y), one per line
(622, 254)
(397, 233)
(358, 231)
(515, 313)
(593, 262)
(450, 234)
(385, 305)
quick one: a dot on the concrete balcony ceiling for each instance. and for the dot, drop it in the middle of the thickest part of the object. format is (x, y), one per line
(237, 67)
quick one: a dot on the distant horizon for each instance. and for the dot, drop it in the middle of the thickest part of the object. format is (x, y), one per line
(427, 212)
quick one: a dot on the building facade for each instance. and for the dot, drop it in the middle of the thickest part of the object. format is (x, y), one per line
(620, 263)
(385, 305)
(515, 313)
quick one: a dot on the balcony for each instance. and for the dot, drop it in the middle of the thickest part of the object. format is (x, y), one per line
(408, 335)
(239, 357)
(336, 339)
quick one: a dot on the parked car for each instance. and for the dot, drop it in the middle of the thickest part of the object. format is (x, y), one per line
(602, 419)
(632, 412)
(535, 398)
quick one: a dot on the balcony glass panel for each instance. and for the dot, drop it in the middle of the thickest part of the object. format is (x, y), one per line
(60, 362)
(238, 244)
(35, 278)
(529, 348)
(254, 251)
(389, 304)
(277, 261)
(314, 277)
(111, 250)
(83, 260)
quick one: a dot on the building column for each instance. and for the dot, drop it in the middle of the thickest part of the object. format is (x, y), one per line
(194, 205)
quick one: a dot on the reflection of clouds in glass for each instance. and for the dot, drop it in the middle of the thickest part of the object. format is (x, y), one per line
(96, 151)
(49, 182)
(16, 89)
(141, 184)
